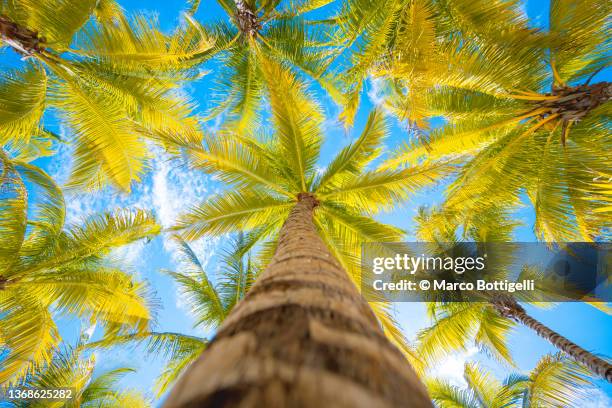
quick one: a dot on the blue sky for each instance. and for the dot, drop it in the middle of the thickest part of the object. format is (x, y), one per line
(170, 189)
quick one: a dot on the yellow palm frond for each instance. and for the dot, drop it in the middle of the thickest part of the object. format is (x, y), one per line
(355, 157)
(109, 144)
(29, 333)
(297, 120)
(56, 21)
(382, 189)
(231, 211)
(22, 101)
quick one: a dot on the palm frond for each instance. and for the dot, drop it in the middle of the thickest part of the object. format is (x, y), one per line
(13, 213)
(28, 334)
(583, 45)
(231, 211)
(380, 189)
(22, 102)
(446, 395)
(297, 121)
(357, 155)
(139, 44)
(109, 147)
(56, 21)
(557, 381)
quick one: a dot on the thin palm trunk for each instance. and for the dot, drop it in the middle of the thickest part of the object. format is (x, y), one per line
(508, 307)
(302, 337)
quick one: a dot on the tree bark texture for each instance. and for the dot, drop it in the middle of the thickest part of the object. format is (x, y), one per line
(302, 337)
(508, 307)
(595, 364)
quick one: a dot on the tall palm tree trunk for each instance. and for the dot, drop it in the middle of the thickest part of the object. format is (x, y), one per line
(508, 307)
(302, 337)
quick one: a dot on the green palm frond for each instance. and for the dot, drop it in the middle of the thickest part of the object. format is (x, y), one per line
(22, 102)
(109, 148)
(482, 384)
(297, 120)
(115, 86)
(108, 11)
(238, 161)
(13, 213)
(230, 212)
(56, 21)
(86, 292)
(95, 236)
(28, 335)
(138, 44)
(69, 368)
(355, 157)
(378, 189)
(50, 209)
(174, 369)
(450, 331)
(167, 344)
(584, 46)
(446, 395)
(557, 381)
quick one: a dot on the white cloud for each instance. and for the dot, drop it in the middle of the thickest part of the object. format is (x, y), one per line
(169, 189)
(375, 91)
(597, 399)
(451, 368)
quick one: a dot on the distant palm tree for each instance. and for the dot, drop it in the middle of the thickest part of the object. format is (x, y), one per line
(69, 369)
(112, 81)
(487, 323)
(532, 125)
(260, 32)
(555, 381)
(209, 304)
(49, 269)
(304, 314)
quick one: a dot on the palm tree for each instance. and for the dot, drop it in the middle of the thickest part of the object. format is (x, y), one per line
(111, 80)
(487, 324)
(304, 313)
(410, 47)
(533, 125)
(259, 31)
(49, 269)
(69, 369)
(209, 305)
(555, 381)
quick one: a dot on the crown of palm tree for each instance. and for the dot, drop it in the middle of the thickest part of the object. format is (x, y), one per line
(487, 324)
(48, 269)
(413, 46)
(111, 80)
(531, 124)
(70, 369)
(259, 31)
(267, 175)
(555, 381)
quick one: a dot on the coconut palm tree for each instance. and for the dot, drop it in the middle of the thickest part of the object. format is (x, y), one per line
(534, 127)
(555, 381)
(304, 313)
(111, 80)
(70, 369)
(259, 31)
(49, 269)
(456, 325)
(410, 47)
(209, 305)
